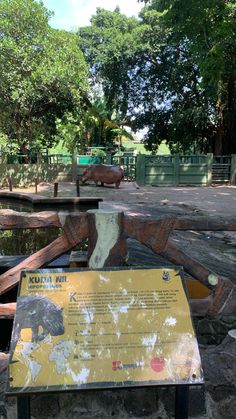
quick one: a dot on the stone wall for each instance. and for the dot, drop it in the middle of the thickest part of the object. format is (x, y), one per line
(26, 174)
(23, 175)
(146, 403)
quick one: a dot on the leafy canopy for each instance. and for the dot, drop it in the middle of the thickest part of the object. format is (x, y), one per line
(208, 27)
(42, 73)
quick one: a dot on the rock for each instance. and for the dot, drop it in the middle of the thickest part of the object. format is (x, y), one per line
(211, 331)
(141, 402)
(45, 406)
(219, 366)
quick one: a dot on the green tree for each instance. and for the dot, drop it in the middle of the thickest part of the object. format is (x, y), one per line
(90, 126)
(171, 103)
(108, 45)
(172, 71)
(149, 79)
(209, 28)
(42, 74)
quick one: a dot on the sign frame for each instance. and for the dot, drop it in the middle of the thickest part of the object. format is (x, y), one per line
(92, 386)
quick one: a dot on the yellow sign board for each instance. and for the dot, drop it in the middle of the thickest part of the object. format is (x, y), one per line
(107, 328)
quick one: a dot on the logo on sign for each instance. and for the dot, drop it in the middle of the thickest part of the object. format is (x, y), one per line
(118, 365)
(166, 276)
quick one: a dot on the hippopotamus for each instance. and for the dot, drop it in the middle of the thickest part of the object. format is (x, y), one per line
(34, 311)
(104, 173)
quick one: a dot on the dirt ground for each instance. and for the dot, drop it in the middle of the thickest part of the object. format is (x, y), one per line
(218, 200)
(216, 250)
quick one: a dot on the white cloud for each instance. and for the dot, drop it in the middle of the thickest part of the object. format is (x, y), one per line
(73, 13)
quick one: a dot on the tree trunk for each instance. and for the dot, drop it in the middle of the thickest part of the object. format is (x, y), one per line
(230, 118)
(219, 138)
(225, 139)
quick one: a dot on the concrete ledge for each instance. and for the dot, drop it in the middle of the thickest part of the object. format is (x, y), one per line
(40, 201)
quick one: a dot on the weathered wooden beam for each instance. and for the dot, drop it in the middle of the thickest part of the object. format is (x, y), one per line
(55, 190)
(76, 230)
(104, 247)
(153, 233)
(7, 311)
(183, 223)
(222, 302)
(204, 224)
(107, 244)
(195, 268)
(4, 360)
(10, 279)
(224, 299)
(75, 226)
(10, 219)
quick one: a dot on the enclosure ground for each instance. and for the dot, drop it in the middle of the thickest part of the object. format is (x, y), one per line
(216, 250)
(214, 200)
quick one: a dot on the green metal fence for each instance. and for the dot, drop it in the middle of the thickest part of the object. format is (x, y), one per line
(129, 165)
(86, 159)
(221, 169)
(174, 170)
(169, 170)
(56, 158)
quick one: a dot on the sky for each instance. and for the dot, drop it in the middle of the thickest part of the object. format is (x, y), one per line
(70, 14)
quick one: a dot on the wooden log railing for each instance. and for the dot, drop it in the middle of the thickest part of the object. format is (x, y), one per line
(154, 234)
(7, 311)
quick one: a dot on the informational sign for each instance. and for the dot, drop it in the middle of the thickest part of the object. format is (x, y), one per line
(102, 329)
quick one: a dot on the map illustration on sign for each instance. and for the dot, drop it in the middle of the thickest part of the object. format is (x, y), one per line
(104, 328)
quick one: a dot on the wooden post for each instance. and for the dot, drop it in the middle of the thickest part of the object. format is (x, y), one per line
(77, 187)
(36, 186)
(55, 189)
(10, 183)
(209, 168)
(107, 244)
